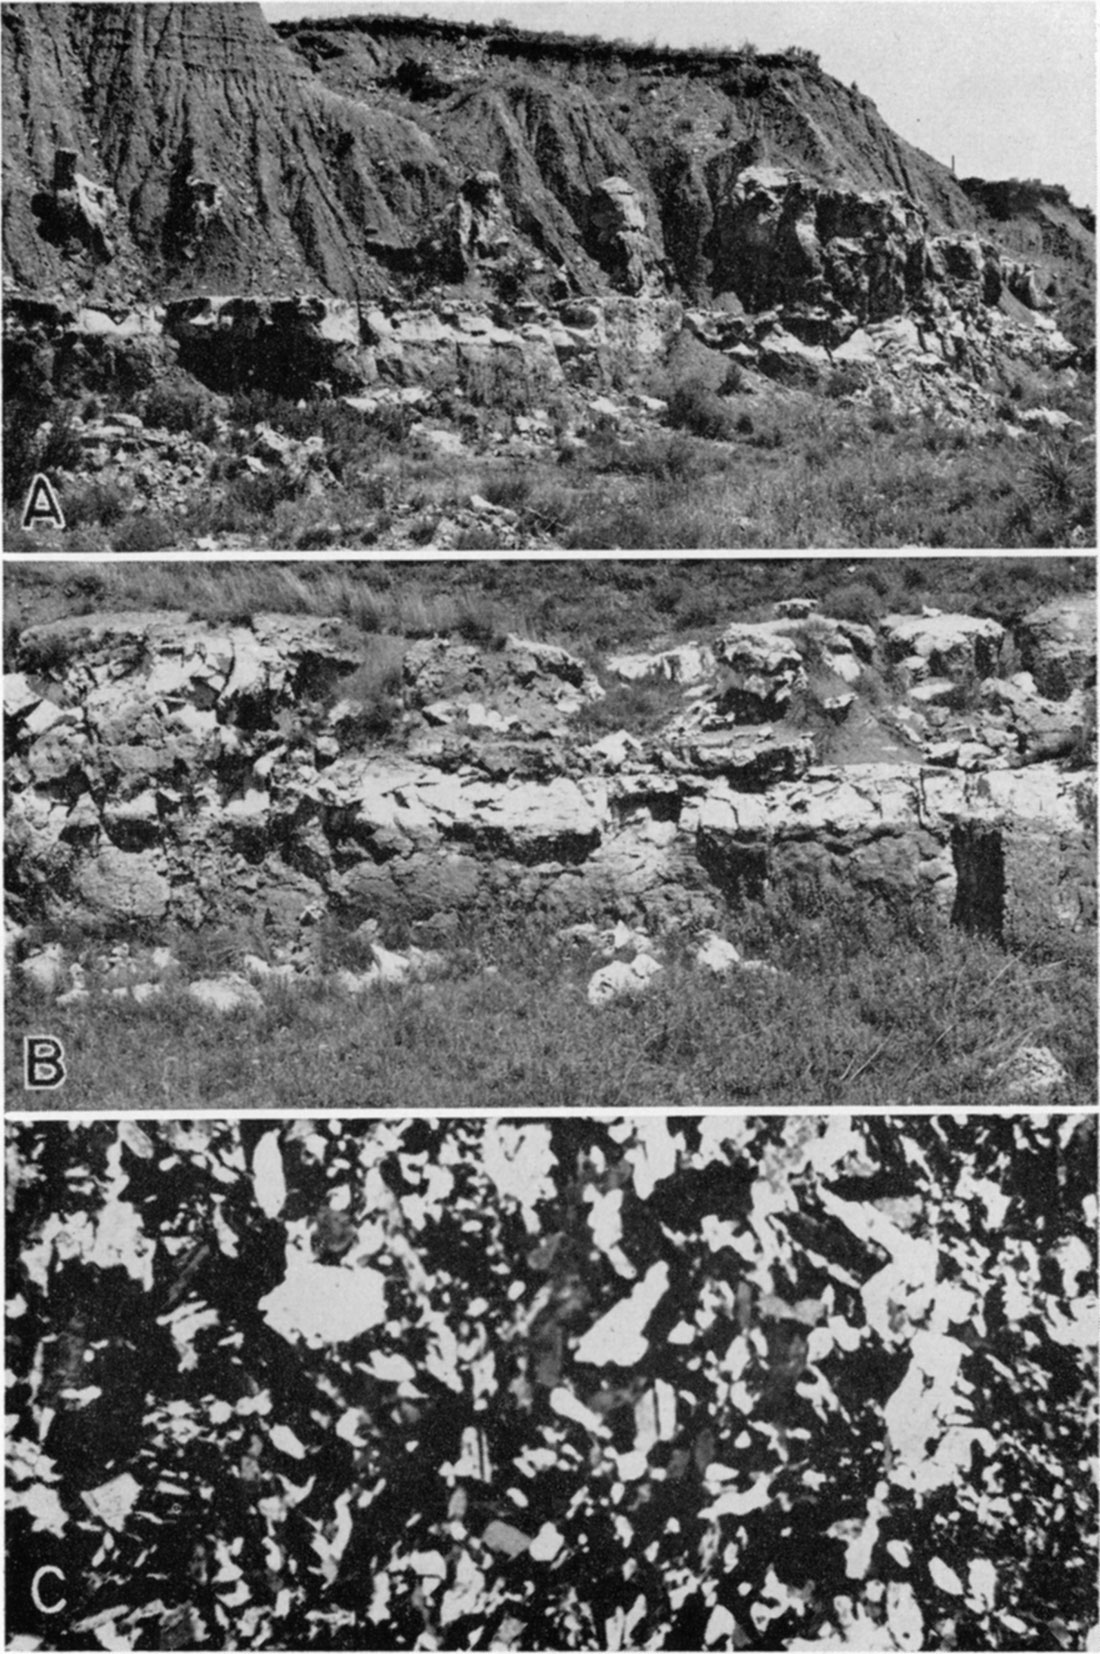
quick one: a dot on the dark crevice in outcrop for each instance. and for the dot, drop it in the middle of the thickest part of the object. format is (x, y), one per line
(977, 850)
(739, 872)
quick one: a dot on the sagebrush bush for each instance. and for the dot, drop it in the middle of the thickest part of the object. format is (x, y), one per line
(374, 689)
(106, 503)
(693, 407)
(181, 408)
(479, 537)
(147, 532)
(856, 600)
(47, 654)
(845, 380)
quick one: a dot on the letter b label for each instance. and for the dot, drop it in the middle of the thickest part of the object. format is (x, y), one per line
(43, 1063)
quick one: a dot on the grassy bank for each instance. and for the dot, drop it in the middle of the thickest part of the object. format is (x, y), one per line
(602, 605)
(866, 1010)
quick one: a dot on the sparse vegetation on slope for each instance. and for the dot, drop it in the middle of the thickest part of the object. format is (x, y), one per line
(765, 469)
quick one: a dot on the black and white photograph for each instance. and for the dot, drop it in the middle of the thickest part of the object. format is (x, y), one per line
(541, 277)
(655, 1381)
(574, 834)
(549, 597)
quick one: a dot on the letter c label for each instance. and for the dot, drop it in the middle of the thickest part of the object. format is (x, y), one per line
(36, 1598)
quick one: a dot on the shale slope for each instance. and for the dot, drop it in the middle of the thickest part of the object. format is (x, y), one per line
(232, 159)
(522, 260)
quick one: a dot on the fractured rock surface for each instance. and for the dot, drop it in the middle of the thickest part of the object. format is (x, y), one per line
(165, 771)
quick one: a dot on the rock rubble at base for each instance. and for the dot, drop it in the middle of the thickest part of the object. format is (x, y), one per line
(431, 363)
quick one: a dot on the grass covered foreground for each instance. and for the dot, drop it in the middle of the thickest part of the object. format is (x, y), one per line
(867, 1009)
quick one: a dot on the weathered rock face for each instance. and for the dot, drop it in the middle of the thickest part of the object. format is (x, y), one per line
(851, 256)
(948, 646)
(1005, 852)
(781, 239)
(169, 772)
(621, 243)
(1043, 728)
(236, 171)
(174, 150)
(475, 231)
(531, 688)
(56, 348)
(1058, 644)
(287, 344)
(463, 209)
(76, 210)
(759, 668)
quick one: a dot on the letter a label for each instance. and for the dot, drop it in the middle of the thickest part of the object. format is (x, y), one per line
(42, 505)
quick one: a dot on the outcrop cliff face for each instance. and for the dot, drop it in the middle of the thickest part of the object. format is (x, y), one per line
(168, 150)
(235, 170)
(501, 247)
(166, 772)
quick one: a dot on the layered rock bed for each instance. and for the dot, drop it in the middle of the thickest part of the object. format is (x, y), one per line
(284, 780)
(467, 388)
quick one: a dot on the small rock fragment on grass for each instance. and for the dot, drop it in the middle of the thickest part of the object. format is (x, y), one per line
(622, 977)
(225, 994)
(1031, 1075)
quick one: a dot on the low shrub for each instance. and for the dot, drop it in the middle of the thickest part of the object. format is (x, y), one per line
(857, 601)
(844, 380)
(477, 624)
(511, 489)
(498, 383)
(181, 408)
(734, 382)
(550, 508)
(695, 408)
(374, 689)
(640, 708)
(46, 654)
(678, 458)
(144, 533)
(250, 497)
(106, 503)
(479, 537)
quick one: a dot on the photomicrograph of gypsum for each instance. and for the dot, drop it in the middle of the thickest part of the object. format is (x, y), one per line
(653, 1381)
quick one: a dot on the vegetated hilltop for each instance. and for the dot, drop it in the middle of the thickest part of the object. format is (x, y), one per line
(392, 827)
(524, 253)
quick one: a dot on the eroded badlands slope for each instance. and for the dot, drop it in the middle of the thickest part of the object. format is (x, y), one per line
(234, 161)
(498, 247)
